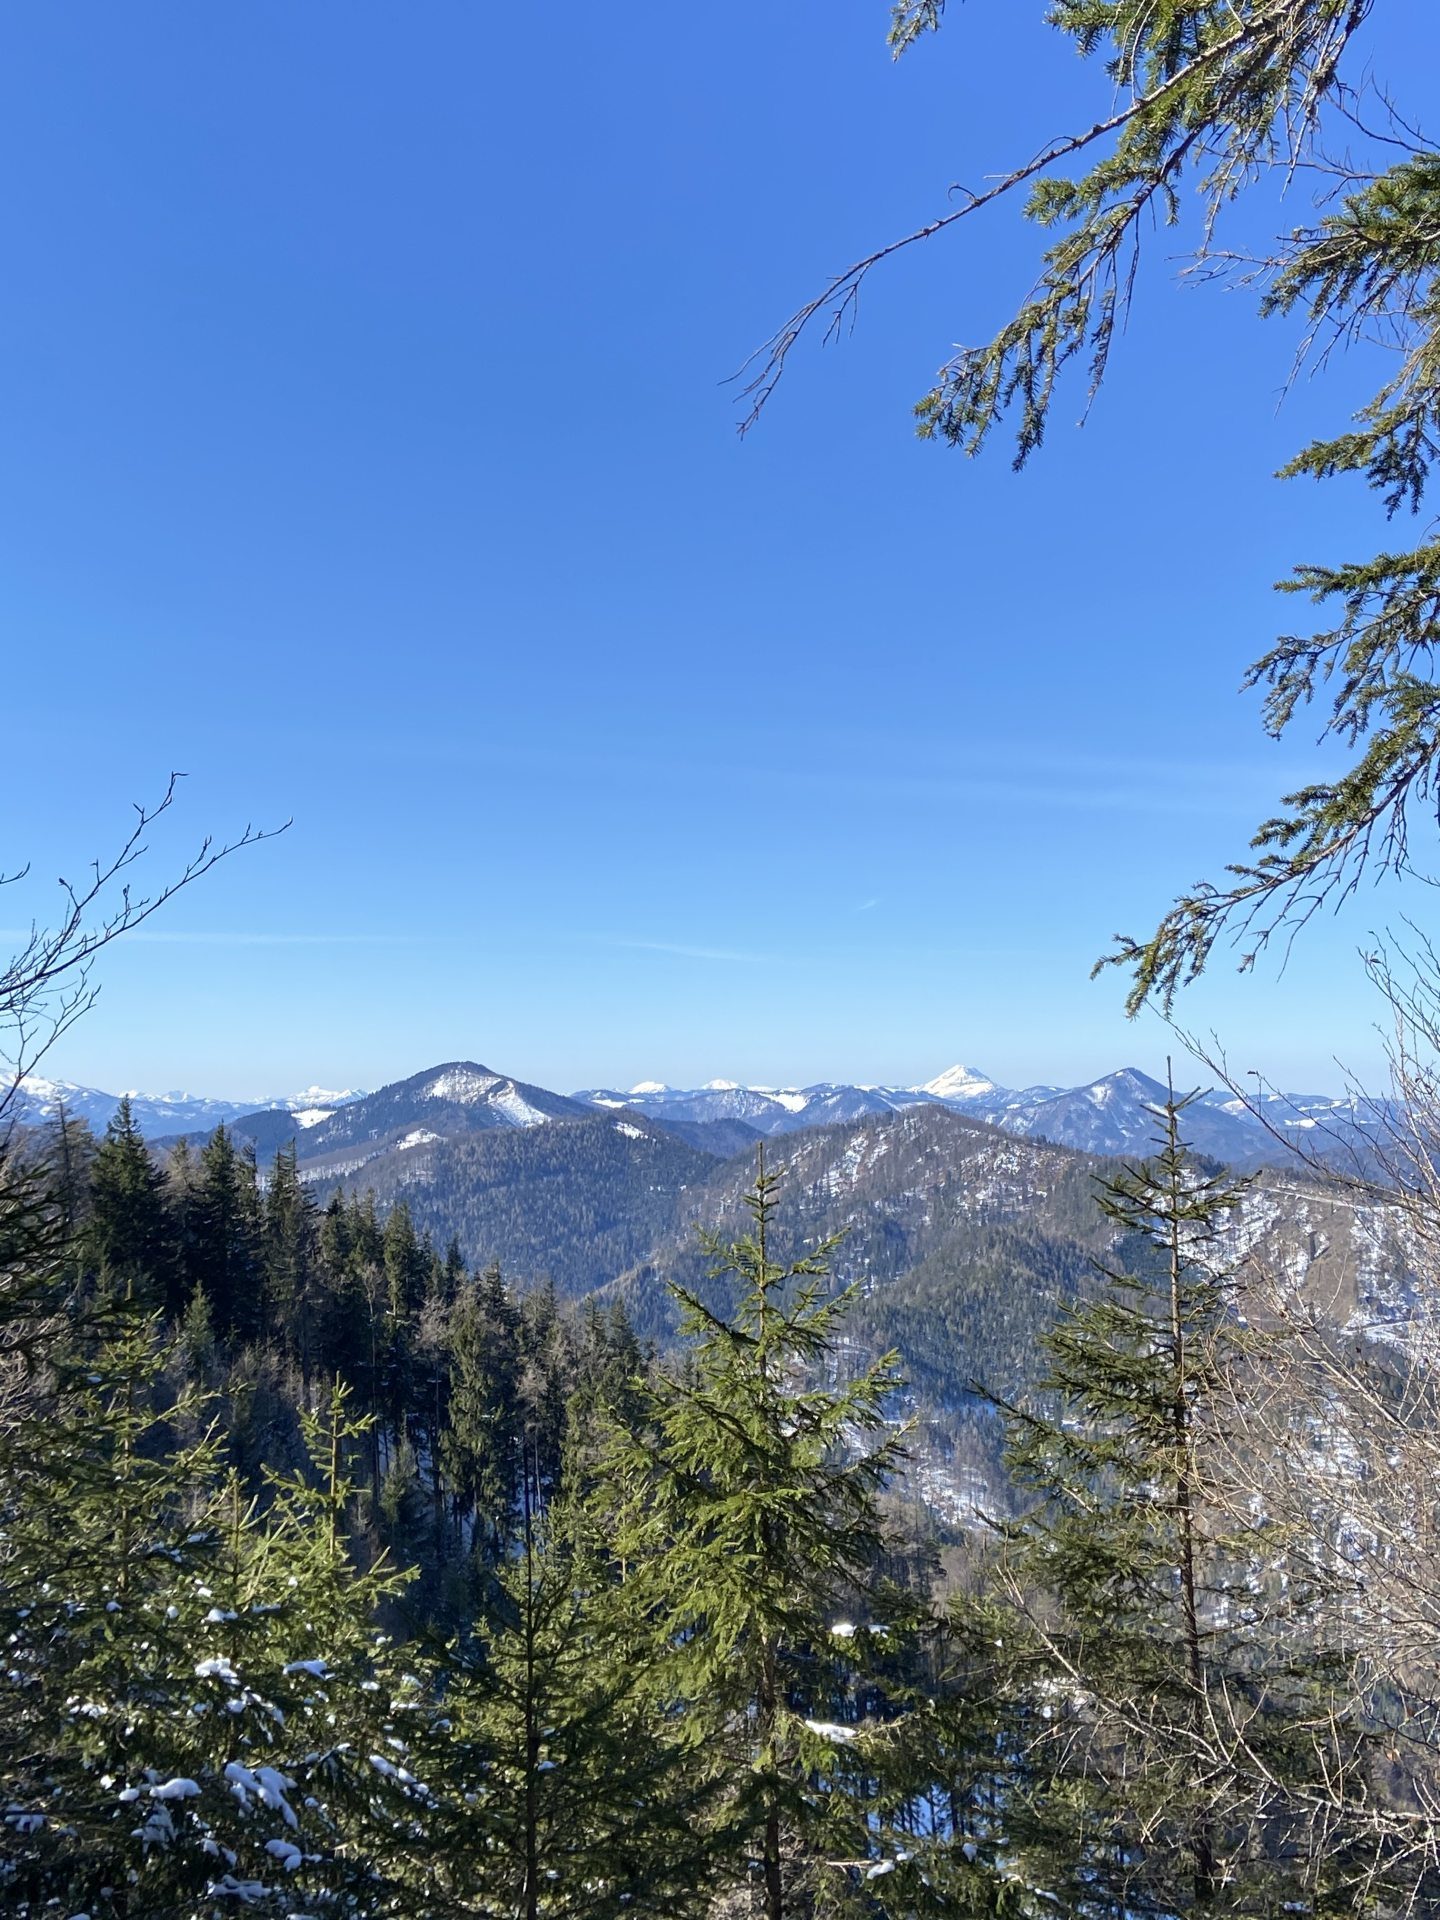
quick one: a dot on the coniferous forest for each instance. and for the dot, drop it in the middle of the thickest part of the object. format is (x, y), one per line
(341, 1578)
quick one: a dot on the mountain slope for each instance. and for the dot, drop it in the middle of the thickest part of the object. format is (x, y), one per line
(1114, 1115)
(444, 1102)
(575, 1203)
(39, 1100)
(897, 1186)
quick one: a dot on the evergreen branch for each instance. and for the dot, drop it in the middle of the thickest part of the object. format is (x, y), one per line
(1314, 854)
(1205, 66)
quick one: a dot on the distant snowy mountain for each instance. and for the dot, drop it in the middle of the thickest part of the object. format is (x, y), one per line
(958, 1084)
(40, 1099)
(779, 1110)
(763, 1108)
(314, 1104)
(1111, 1115)
(770, 1110)
(443, 1103)
(1115, 1115)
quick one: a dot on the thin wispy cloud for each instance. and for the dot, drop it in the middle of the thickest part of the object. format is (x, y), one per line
(685, 952)
(1015, 777)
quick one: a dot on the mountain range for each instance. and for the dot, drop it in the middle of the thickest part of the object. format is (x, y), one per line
(1108, 1116)
(966, 1211)
(1111, 1115)
(39, 1099)
(963, 1236)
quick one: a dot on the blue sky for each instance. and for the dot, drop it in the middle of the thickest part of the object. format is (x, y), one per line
(366, 455)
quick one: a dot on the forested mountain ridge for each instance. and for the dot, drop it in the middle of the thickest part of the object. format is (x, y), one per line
(455, 1098)
(962, 1210)
(964, 1239)
(894, 1187)
(613, 1203)
(472, 1413)
(573, 1203)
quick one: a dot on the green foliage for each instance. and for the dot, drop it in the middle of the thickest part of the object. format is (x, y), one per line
(1162, 1696)
(224, 1224)
(587, 1805)
(1203, 88)
(129, 1236)
(752, 1522)
(290, 1243)
(660, 1643)
(190, 1698)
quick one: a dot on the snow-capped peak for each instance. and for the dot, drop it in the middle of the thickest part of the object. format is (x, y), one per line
(720, 1086)
(463, 1085)
(957, 1083)
(650, 1086)
(39, 1088)
(321, 1097)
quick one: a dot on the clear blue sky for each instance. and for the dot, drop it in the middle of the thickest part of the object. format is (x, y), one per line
(365, 455)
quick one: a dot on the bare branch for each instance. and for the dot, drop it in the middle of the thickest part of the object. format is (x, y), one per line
(48, 984)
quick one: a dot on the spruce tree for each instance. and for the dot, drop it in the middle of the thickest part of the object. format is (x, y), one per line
(67, 1151)
(608, 1393)
(431, 1385)
(545, 1376)
(481, 1446)
(225, 1237)
(197, 1716)
(1157, 1686)
(405, 1265)
(290, 1254)
(583, 1805)
(753, 1531)
(129, 1238)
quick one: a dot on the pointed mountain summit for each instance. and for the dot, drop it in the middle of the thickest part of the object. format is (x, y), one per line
(958, 1083)
(1116, 1114)
(456, 1097)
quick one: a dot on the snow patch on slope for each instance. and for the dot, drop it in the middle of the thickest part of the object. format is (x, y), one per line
(464, 1085)
(517, 1109)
